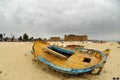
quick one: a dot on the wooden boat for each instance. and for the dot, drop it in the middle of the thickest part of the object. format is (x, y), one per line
(74, 61)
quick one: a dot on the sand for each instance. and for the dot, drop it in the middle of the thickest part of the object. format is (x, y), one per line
(16, 63)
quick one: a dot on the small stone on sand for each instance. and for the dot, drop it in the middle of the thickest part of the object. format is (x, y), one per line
(0, 71)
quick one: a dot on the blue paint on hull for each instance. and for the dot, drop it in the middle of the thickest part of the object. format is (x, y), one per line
(65, 70)
(74, 71)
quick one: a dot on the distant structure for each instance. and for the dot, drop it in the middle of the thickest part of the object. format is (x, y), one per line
(75, 38)
(54, 39)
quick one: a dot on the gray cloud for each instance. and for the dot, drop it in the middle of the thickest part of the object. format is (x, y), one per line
(100, 19)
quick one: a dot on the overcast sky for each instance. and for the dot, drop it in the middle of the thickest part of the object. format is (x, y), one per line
(99, 19)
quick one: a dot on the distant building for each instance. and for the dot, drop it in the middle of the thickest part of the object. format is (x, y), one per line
(75, 38)
(54, 39)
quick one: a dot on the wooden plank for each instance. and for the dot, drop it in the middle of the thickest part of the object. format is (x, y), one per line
(55, 53)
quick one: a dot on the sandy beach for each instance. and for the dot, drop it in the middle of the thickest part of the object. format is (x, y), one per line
(16, 63)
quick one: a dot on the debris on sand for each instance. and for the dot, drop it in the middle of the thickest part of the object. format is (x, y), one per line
(25, 54)
(118, 47)
(1, 71)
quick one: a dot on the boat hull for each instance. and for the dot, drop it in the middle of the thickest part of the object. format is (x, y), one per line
(44, 57)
